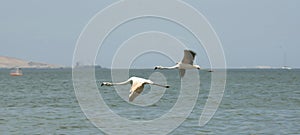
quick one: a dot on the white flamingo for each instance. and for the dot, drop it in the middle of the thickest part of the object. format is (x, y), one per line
(186, 63)
(137, 86)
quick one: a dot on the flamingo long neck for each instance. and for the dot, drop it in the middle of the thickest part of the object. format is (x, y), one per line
(173, 67)
(187, 66)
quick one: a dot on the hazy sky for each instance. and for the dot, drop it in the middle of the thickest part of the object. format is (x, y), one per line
(252, 32)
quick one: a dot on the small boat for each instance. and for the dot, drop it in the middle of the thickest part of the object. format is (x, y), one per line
(286, 67)
(16, 72)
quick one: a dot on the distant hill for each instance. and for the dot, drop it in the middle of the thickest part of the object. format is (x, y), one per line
(9, 62)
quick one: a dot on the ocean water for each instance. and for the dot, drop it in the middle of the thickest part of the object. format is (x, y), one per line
(255, 102)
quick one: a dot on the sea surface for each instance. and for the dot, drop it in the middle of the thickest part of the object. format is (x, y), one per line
(255, 101)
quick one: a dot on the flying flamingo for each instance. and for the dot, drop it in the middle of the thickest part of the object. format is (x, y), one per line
(137, 86)
(186, 63)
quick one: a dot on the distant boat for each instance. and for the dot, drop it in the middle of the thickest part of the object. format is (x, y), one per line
(286, 67)
(16, 72)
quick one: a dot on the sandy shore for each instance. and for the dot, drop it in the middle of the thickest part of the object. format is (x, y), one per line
(9, 62)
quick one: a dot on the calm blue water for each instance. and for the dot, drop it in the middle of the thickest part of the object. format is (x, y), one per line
(255, 102)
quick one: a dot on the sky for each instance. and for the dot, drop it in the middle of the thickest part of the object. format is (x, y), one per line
(252, 32)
